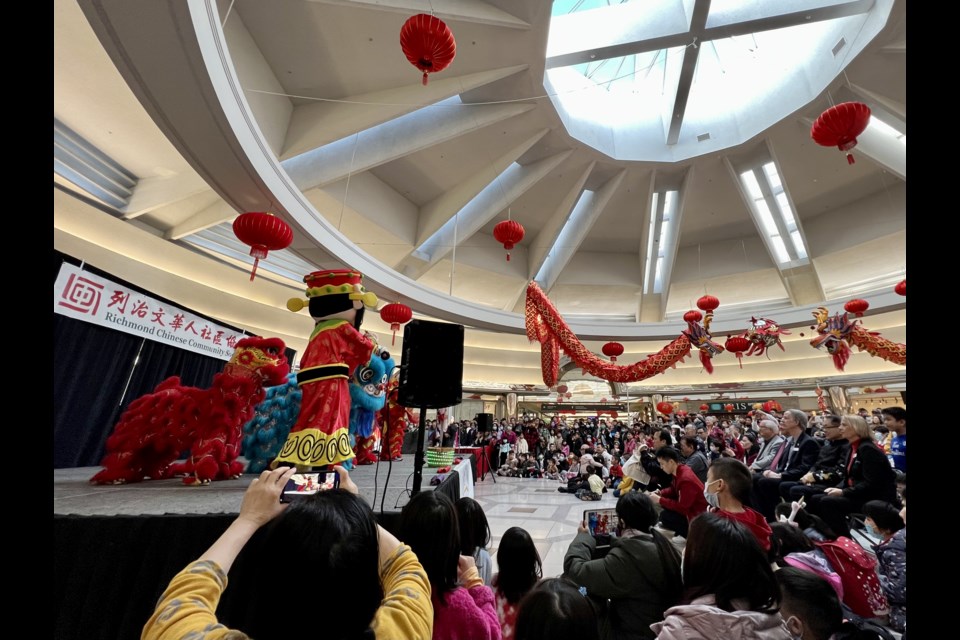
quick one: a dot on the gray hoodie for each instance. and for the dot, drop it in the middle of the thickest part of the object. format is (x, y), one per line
(703, 620)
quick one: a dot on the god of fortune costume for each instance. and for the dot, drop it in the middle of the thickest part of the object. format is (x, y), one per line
(320, 436)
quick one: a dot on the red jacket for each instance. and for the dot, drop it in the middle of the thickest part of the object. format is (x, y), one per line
(685, 494)
(753, 521)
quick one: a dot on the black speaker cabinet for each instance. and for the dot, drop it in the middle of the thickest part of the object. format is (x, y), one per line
(484, 422)
(431, 373)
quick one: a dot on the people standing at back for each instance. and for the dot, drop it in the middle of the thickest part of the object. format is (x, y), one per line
(475, 536)
(895, 419)
(428, 523)
(520, 569)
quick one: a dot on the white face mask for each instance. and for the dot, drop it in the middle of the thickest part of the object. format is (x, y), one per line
(712, 499)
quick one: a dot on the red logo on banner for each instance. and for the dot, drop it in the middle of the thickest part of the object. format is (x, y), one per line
(82, 295)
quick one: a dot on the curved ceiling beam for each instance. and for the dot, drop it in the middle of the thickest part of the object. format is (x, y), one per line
(460, 10)
(543, 243)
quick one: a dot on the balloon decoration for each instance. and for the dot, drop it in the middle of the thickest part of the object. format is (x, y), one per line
(508, 233)
(396, 314)
(837, 333)
(737, 345)
(545, 325)
(612, 350)
(428, 44)
(840, 125)
(728, 408)
(901, 288)
(857, 307)
(699, 334)
(263, 232)
(665, 408)
(763, 334)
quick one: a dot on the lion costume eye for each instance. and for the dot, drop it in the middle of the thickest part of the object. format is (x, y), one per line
(365, 374)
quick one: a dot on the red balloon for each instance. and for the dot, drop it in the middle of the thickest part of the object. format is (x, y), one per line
(508, 233)
(708, 303)
(612, 350)
(857, 306)
(428, 43)
(692, 316)
(901, 288)
(263, 232)
(839, 126)
(396, 314)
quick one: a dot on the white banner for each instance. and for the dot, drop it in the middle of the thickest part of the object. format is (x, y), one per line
(89, 297)
(466, 478)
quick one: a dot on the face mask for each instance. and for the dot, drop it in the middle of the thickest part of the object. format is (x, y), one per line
(871, 530)
(712, 499)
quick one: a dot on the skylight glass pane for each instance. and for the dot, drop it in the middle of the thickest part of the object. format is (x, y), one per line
(798, 245)
(786, 211)
(658, 280)
(650, 238)
(887, 130)
(773, 177)
(669, 204)
(780, 249)
(751, 185)
(766, 218)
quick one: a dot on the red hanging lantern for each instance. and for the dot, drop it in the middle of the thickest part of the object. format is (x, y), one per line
(562, 389)
(428, 44)
(263, 232)
(603, 399)
(508, 233)
(692, 316)
(612, 350)
(708, 303)
(881, 390)
(396, 314)
(728, 408)
(901, 288)
(737, 345)
(665, 408)
(704, 407)
(857, 307)
(772, 405)
(839, 126)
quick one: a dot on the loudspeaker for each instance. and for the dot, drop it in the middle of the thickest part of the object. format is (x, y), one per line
(484, 422)
(903, 396)
(431, 373)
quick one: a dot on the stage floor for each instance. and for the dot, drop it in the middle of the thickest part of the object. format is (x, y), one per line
(73, 494)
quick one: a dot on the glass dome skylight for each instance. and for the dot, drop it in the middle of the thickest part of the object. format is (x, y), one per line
(667, 80)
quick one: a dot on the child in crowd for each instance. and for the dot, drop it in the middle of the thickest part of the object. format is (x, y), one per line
(475, 536)
(616, 473)
(520, 569)
(551, 472)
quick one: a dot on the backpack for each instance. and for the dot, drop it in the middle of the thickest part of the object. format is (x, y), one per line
(815, 562)
(862, 591)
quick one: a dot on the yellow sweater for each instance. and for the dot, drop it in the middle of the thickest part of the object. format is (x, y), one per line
(188, 607)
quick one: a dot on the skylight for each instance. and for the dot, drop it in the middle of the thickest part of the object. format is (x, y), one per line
(887, 130)
(771, 206)
(646, 80)
(658, 240)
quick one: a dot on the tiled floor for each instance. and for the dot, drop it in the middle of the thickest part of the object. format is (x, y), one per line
(550, 517)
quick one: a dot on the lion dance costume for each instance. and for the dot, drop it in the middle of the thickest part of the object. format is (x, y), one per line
(368, 394)
(158, 426)
(320, 436)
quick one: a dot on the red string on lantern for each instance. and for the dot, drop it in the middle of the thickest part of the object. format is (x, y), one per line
(665, 408)
(612, 350)
(901, 288)
(737, 345)
(840, 125)
(708, 303)
(396, 314)
(857, 306)
(428, 44)
(508, 233)
(263, 232)
(692, 316)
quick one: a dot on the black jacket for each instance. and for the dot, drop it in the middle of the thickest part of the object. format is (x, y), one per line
(799, 458)
(870, 477)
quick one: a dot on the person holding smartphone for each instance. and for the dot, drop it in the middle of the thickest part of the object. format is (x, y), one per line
(373, 581)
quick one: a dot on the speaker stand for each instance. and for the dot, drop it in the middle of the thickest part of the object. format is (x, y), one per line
(419, 455)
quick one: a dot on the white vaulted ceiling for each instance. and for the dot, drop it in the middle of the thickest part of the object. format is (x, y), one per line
(309, 109)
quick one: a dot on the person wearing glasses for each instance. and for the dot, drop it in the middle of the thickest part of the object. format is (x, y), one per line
(827, 471)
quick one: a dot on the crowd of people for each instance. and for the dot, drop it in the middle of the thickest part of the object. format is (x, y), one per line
(727, 528)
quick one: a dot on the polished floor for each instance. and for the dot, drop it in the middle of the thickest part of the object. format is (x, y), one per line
(551, 518)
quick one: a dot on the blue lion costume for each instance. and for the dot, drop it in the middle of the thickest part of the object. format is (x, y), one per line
(266, 432)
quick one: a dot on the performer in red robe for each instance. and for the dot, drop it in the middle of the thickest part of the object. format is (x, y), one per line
(320, 436)
(393, 423)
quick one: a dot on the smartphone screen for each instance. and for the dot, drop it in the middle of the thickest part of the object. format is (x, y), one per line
(601, 522)
(301, 485)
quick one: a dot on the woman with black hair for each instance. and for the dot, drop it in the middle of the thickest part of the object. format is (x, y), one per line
(751, 446)
(475, 536)
(325, 551)
(520, 569)
(884, 519)
(428, 523)
(640, 575)
(729, 587)
(554, 609)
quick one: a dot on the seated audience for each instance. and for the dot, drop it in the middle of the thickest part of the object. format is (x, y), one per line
(640, 576)
(884, 521)
(769, 430)
(683, 500)
(693, 457)
(792, 461)
(475, 536)
(381, 586)
(727, 491)
(826, 471)
(729, 587)
(554, 609)
(520, 569)
(428, 523)
(751, 447)
(895, 419)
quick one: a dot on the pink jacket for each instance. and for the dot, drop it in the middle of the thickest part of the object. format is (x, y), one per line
(470, 614)
(702, 620)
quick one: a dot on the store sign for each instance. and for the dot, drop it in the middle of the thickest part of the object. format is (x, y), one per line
(86, 296)
(737, 406)
(592, 407)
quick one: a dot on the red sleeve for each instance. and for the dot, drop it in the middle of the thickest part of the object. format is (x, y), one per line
(357, 348)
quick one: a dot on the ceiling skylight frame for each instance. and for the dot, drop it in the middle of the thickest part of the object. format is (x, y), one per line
(773, 213)
(661, 243)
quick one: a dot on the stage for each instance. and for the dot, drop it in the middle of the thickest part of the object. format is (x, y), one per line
(117, 546)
